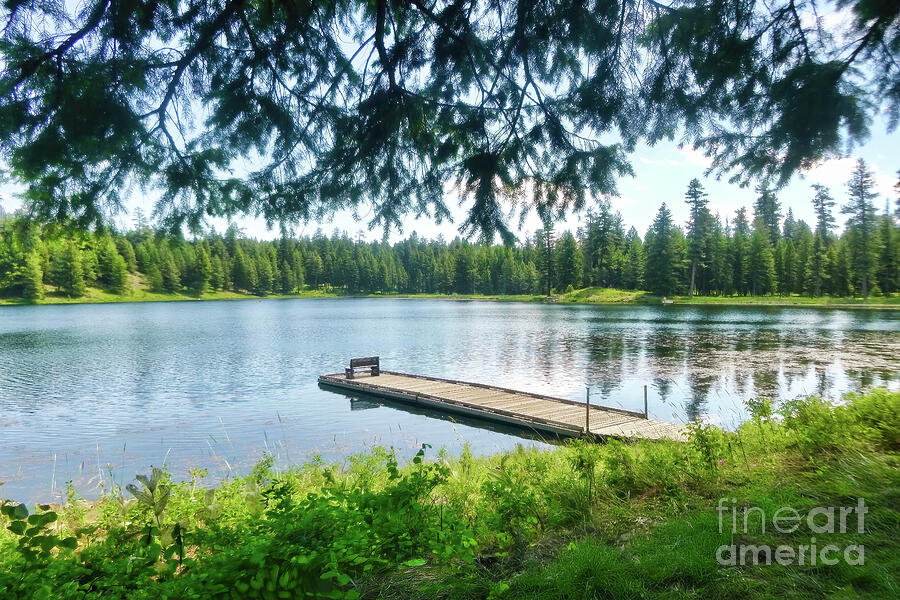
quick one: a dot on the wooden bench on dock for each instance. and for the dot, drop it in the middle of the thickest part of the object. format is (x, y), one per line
(366, 362)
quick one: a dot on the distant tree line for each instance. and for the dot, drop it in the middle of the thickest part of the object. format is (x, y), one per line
(758, 255)
(761, 255)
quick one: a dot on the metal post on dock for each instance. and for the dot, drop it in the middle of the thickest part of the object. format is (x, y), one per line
(646, 415)
(587, 411)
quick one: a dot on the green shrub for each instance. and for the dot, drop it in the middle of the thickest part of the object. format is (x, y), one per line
(332, 530)
(814, 425)
(709, 443)
(878, 414)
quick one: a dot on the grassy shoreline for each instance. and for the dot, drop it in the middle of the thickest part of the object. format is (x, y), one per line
(584, 520)
(586, 296)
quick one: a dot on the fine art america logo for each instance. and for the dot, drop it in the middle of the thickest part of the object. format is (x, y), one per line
(820, 520)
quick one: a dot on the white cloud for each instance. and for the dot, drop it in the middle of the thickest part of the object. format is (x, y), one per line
(665, 162)
(834, 173)
(9, 196)
(694, 156)
(837, 23)
(885, 186)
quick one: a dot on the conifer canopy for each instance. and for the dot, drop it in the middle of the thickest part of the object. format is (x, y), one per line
(291, 109)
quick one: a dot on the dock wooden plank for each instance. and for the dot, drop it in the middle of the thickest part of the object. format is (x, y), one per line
(549, 409)
(516, 402)
(533, 411)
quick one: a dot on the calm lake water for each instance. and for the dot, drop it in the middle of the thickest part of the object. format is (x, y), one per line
(97, 393)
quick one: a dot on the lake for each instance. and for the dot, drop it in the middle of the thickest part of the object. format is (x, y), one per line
(96, 393)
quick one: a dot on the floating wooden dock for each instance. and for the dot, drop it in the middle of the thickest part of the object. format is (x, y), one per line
(524, 409)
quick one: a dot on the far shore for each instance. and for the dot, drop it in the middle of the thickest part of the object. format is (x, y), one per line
(586, 296)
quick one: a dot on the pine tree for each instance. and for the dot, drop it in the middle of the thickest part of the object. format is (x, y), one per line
(221, 268)
(154, 278)
(740, 253)
(767, 209)
(216, 274)
(243, 271)
(367, 267)
(201, 271)
(339, 273)
(789, 229)
(68, 273)
(785, 255)
(840, 279)
(314, 268)
(662, 260)
(760, 260)
(90, 265)
(351, 275)
(680, 262)
(545, 241)
(385, 277)
(569, 262)
(287, 281)
(298, 269)
(804, 242)
(140, 219)
(818, 267)
(818, 270)
(109, 265)
(118, 275)
(635, 261)
(33, 277)
(861, 226)
(720, 269)
(603, 247)
(265, 276)
(272, 256)
(127, 251)
(888, 264)
(146, 254)
(465, 271)
(699, 229)
(171, 276)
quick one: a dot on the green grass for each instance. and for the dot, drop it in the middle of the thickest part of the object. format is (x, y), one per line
(598, 295)
(874, 301)
(581, 521)
(674, 557)
(585, 296)
(487, 297)
(139, 292)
